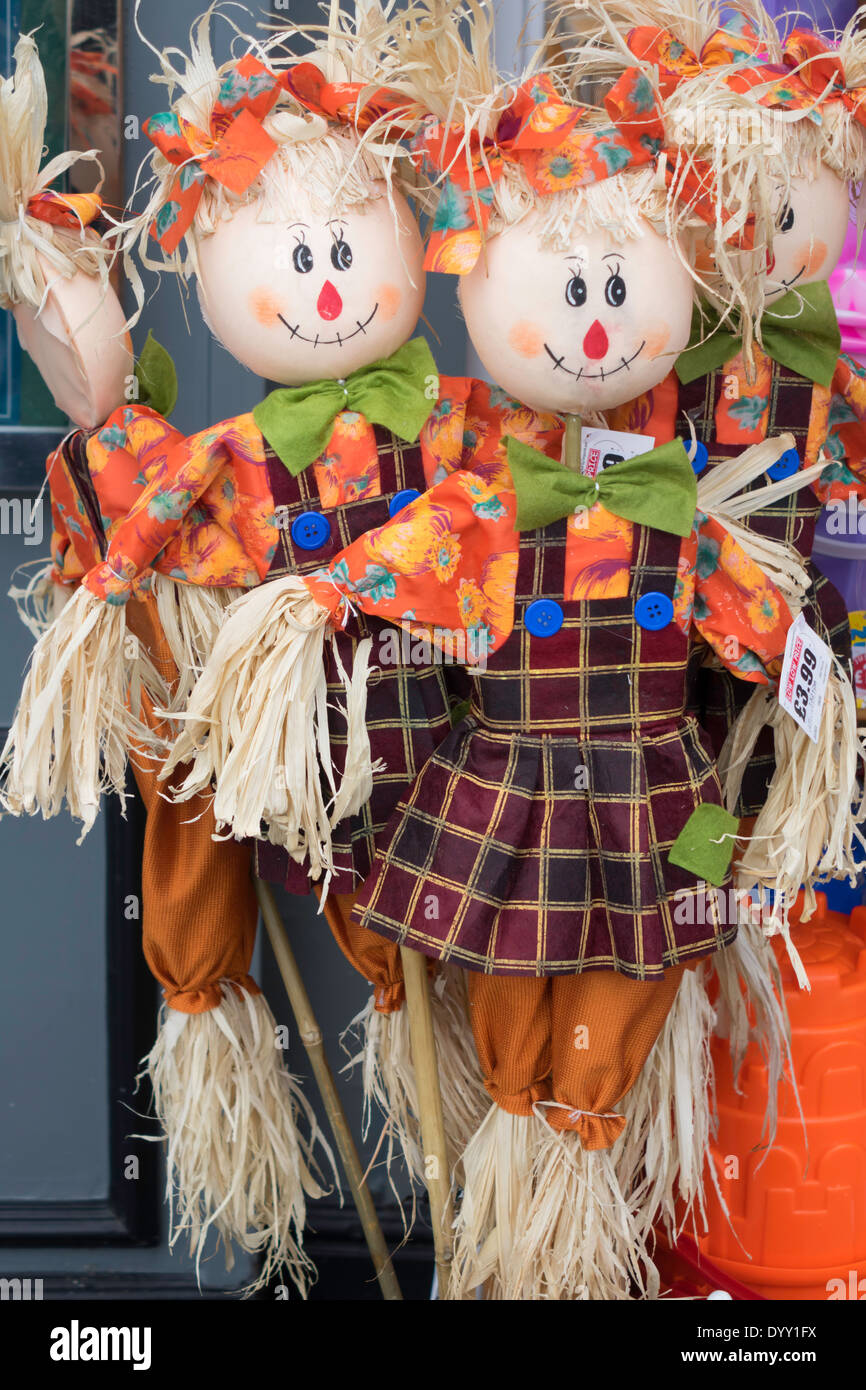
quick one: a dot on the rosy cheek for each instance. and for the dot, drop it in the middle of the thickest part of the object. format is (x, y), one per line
(813, 256)
(389, 298)
(264, 307)
(657, 342)
(526, 339)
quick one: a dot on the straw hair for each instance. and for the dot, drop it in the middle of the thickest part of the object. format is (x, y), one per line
(807, 827)
(336, 168)
(237, 1163)
(79, 714)
(34, 253)
(257, 724)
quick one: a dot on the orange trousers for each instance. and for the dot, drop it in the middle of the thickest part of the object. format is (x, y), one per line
(572, 1043)
(199, 908)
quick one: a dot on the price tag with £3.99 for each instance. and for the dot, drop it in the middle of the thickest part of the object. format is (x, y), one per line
(805, 672)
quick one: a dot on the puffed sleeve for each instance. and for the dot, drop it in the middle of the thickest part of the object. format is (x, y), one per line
(445, 565)
(845, 440)
(724, 596)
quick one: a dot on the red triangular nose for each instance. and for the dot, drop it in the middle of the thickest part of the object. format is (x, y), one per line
(329, 303)
(595, 344)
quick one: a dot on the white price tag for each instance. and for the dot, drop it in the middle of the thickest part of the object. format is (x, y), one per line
(601, 448)
(805, 672)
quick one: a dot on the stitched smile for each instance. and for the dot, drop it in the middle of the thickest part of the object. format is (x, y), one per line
(340, 339)
(786, 283)
(600, 375)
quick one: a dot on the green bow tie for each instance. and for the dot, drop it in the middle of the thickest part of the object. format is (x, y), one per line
(800, 332)
(657, 489)
(399, 392)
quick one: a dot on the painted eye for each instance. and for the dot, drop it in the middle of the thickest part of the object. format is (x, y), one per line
(614, 291)
(341, 255)
(786, 218)
(302, 258)
(575, 291)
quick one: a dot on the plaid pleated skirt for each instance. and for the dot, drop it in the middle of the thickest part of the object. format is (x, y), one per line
(536, 838)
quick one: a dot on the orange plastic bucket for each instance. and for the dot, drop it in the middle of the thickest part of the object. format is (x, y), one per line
(797, 1225)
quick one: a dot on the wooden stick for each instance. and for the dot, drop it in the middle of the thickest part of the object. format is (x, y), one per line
(437, 1176)
(571, 443)
(311, 1037)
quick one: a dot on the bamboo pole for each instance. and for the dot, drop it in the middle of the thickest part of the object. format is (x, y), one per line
(311, 1037)
(571, 443)
(437, 1177)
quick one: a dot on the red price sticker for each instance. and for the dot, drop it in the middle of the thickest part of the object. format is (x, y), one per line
(805, 673)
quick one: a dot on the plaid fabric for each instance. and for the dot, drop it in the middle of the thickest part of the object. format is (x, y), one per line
(719, 696)
(536, 839)
(408, 706)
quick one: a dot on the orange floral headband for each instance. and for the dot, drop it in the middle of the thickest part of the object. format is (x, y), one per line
(541, 134)
(237, 147)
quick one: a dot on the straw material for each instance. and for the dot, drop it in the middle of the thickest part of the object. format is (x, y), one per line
(722, 495)
(497, 1191)
(38, 600)
(257, 724)
(542, 1218)
(388, 1073)
(236, 1161)
(808, 824)
(33, 252)
(751, 1008)
(78, 715)
(670, 1113)
(190, 616)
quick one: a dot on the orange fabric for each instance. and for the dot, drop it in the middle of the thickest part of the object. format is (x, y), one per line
(511, 1021)
(199, 910)
(604, 1026)
(374, 957)
(577, 1040)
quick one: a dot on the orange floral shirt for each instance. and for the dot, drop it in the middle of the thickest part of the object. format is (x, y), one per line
(447, 563)
(200, 509)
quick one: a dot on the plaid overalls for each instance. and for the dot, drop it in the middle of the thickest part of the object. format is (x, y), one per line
(408, 707)
(535, 840)
(721, 697)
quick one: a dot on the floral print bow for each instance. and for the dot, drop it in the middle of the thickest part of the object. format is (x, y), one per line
(541, 133)
(677, 63)
(233, 152)
(64, 209)
(819, 68)
(737, 48)
(341, 102)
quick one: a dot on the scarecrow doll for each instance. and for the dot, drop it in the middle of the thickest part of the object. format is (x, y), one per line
(283, 200)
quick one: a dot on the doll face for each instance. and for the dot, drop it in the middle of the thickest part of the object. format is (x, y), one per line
(80, 347)
(811, 228)
(584, 329)
(311, 299)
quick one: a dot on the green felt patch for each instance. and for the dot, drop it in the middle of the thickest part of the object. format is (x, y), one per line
(705, 844)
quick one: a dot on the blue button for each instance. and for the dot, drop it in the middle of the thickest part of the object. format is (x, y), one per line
(311, 530)
(543, 617)
(653, 611)
(789, 463)
(402, 499)
(698, 454)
